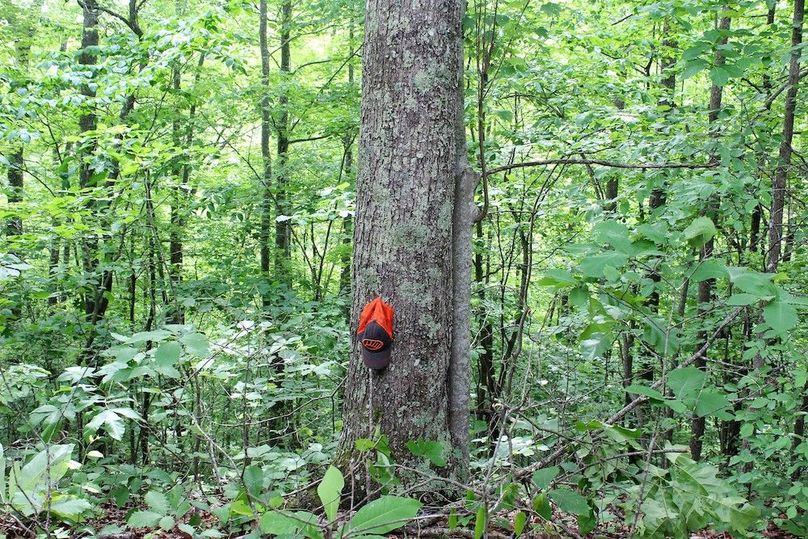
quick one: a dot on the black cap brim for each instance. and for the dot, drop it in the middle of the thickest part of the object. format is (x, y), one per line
(376, 360)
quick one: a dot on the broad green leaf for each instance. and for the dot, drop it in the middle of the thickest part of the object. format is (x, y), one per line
(167, 354)
(753, 282)
(69, 507)
(431, 450)
(144, 519)
(579, 296)
(700, 231)
(167, 523)
(615, 234)
(253, 479)
(50, 464)
(558, 278)
(686, 381)
(383, 515)
(569, 501)
(594, 265)
(542, 507)
(709, 269)
(543, 477)
(157, 502)
(693, 67)
(677, 406)
(330, 491)
(196, 344)
(111, 422)
(710, 402)
(719, 75)
(650, 392)
(780, 316)
(144, 336)
(742, 299)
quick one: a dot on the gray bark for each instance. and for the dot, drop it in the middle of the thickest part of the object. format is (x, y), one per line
(706, 286)
(266, 194)
(784, 162)
(412, 234)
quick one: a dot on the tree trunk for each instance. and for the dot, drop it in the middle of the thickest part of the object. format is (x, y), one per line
(706, 286)
(266, 120)
(412, 234)
(283, 229)
(784, 161)
(347, 172)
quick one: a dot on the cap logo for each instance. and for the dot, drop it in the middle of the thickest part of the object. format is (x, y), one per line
(373, 344)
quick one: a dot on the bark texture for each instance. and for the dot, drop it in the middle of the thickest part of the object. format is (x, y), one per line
(784, 161)
(412, 235)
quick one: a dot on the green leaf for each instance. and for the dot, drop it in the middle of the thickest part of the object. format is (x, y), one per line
(649, 392)
(479, 523)
(383, 515)
(709, 269)
(253, 480)
(710, 402)
(519, 521)
(49, 465)
(753, 282)
(742, 299)
(613, 233)
(330, 490)
(677, 406)
(569, 501)
(542, 507)
(579, 296)
(431, 450)
(196, 344)
(780, 315)
(700, 231)
(144, 336)
(69, 507)
(144, 519)
(543, 477)
(167, 354)
(558, 278)
(594, 265)
(157, 502)
(167, 522)
(719, 76)
(693, 67)
(686, 381)
(111, 422)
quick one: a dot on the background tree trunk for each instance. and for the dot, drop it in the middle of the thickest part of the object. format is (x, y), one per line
(706, 286)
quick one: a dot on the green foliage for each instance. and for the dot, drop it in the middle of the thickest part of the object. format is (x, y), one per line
(196, 392)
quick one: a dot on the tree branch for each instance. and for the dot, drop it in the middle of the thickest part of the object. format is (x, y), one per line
(600, 162)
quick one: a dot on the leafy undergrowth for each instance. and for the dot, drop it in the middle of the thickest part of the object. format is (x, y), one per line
(112, 524)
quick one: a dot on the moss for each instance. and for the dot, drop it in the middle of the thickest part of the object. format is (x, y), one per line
(411, 234)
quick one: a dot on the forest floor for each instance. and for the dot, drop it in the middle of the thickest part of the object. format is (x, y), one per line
(113, 524)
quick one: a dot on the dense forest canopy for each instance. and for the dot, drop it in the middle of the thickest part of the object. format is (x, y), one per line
(589, 216)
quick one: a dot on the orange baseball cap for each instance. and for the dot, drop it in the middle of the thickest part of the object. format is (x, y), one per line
(376, 333)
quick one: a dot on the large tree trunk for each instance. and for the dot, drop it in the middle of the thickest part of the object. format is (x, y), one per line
(412, 235)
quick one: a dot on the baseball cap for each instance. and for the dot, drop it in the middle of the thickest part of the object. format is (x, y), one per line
(376, 333)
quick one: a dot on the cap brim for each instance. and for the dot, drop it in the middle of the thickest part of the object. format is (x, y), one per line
(376, 360)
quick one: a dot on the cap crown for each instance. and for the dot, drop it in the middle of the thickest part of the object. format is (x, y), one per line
(377, 311)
